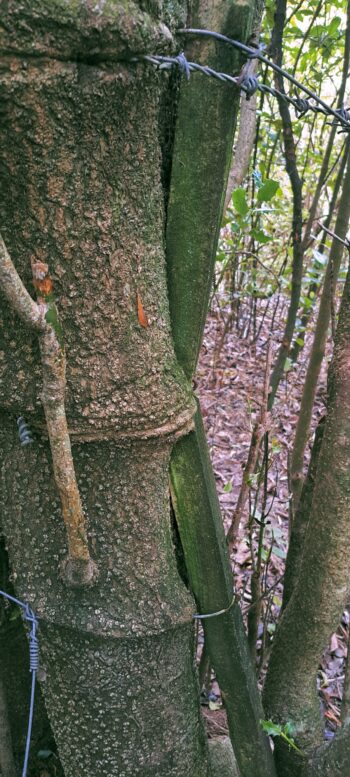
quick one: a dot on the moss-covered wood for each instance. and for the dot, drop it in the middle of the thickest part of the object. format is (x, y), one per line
(202, 149)
(201, 529)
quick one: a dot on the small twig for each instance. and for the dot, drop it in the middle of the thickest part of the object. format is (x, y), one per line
(346, 242)
(78, 569)
(264, 595)
(255, 587)
(17, 294)
(257, 435)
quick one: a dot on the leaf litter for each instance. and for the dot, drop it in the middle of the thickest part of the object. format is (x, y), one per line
(229, 384)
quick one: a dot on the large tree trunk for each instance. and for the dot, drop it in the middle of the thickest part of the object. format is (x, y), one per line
(81, 190)
(84, 156)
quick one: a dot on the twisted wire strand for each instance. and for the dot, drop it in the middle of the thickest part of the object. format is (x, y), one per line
(341, 114)
(250, 84)
(24, 432)
(31, 618)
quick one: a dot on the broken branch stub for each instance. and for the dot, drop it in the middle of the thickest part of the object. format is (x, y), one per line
(78, 569)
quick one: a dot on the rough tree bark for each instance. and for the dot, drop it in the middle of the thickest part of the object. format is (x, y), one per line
(321, 590)
(84, 155)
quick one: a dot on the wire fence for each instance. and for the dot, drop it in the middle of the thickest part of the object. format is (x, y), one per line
(248, 83)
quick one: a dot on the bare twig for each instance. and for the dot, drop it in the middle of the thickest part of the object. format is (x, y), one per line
(16, 293)
(264, 595)
(78, 568)
(255, 585)
(336, 237)
(259, 430)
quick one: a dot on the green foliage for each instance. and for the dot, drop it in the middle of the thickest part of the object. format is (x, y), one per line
(285, 732)
(250, 227)
(239, 201)
(255, 253)
(267, 191)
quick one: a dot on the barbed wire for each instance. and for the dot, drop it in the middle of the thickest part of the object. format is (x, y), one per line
(341, 115)
(249, 84)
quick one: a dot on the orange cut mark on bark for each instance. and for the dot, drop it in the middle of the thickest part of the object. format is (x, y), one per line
(141, 315)
(44, 287)
(41, 279)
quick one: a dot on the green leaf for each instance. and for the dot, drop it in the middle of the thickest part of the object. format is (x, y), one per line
(277, 601)
(275, 445)
(268, 190)
(240, 202)
(289, 729)
(334, 24)
(270, 728)
(261, 236)
(228, 487)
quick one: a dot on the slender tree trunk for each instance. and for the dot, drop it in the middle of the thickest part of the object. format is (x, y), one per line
(319, 342)
(301, 519)
(296, 184)
(314, 287)
(247, 123)
(203, 139)
(322, 588)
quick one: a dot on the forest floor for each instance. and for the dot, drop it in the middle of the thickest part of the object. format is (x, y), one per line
(229, 384)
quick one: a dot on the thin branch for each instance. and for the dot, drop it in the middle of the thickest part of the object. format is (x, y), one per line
(78, 568)
(296, 184)
(16, 293)
(336, 237)
(259, 430)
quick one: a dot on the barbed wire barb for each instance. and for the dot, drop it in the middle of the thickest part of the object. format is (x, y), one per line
(248, 83)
